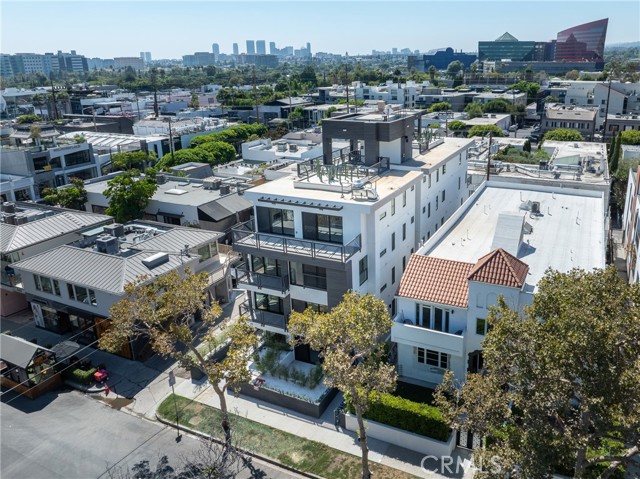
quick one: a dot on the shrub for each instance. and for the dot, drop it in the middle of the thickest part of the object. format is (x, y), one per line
(80, 376)
(410, 416)
(315, 376)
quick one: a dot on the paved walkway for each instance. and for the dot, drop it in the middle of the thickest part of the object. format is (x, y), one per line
(138, 388)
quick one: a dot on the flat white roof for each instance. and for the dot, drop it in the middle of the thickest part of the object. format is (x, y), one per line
(568, 233)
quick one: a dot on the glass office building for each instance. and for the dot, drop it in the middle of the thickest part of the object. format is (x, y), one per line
(507, 47)
(582, 43)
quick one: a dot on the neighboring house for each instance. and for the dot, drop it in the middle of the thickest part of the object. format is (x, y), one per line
(27, 368)
(211, 203)
(394, 93)
(512, 96)
(500, 243)
(619, 123)
(346, 221)
(28, 229)
(574, 118)
(48, 163)
(631, 225)
(17, 188)
(281, 108)
(71, 288)
(501, 121)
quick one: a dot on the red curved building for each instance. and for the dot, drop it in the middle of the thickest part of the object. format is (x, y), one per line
(582, 43)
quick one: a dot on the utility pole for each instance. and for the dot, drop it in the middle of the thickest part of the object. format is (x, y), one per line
(606, 112)
(255, 95)
(170, 140)
(489, 156)
(346, 80)
(53, 96)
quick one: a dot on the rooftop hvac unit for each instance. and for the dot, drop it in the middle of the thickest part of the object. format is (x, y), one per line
(115, 229)
(10, 218)
(225, 189)
(155, 260)
(161, 179)
(8, 207)
(107, 244)
(535, 207)
(20, 220)
(212, 184)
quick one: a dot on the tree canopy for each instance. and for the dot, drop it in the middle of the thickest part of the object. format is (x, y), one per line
(348, 339)
(484, 130)
(563, 134)
(440, 106)
(128, 160)
(30, 118)
(72, 196)
(473, 110)
(561, 387)
(630, 137)
(499, 105)
(163, 310)
(129, 195)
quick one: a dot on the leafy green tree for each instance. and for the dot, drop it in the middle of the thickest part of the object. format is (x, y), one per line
(440, 106)
(329, 111)
(218, 152)
(630, 137)
(179, 157)
(454, 68)
(473, 110)
(38, 100)
(163, 311)
(530, 88)
(73, 196)
(572, 75)
(297, 116)
(620, 180)
(30, 118)
(563, 134)
(128, 160)
(552, 99)
(129, 195)
(561, 387)
(484, 130)
(348, 339)
(195, 102)
(616, 153)
(457, 126)
(499, 105)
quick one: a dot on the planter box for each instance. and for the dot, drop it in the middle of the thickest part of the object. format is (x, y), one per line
(399, 437)
(295, 404)
(217, 355)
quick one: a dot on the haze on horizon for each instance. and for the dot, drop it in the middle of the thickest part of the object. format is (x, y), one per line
(170, 29)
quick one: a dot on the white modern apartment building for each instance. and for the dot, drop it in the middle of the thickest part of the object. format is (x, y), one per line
(347, 221)
(404, 94)
(500, 243)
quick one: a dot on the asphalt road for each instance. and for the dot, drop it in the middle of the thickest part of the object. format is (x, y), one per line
(68, 435)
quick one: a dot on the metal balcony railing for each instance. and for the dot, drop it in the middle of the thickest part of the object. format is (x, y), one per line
(263, 318)
(296, 246)
(262, 280)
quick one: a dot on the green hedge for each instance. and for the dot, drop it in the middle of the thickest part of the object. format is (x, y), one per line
(410, 416)
(79, 375)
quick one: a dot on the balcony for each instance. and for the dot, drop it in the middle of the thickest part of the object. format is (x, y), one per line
(11, 280)
(259, 281)
(264, 319)
(404, 331)
(247, 240)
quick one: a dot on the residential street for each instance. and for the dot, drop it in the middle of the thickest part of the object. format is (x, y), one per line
(68, 435)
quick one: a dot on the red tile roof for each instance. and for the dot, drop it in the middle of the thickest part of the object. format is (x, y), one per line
(436, 280)
(500, 267)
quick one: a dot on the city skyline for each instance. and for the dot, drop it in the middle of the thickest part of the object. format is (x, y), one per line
(381, 28)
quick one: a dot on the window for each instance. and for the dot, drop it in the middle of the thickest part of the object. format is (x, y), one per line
(363, 268)
(325, 228)
(393, 206)
(460, 159)
(404, 263)
(384, 286)
(268, 266)
(424, 178)
(207, 251)
(383, 252)
(383, 215)
(437, 175)
(424, 209)
(444, 168)
(432, 358)
(267, 302)
(309, 276)
(404, 198)
(393, 241)
(404, 230)
(429, 180)
(443, 195)
(429, 209)
(436, 203)
(482, 326)
(275, 221)
(47, 285)
(413, 218)
(393, 275)
(82, 294)
(459, 182)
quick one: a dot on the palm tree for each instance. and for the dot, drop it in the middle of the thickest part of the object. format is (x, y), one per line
(38, 100)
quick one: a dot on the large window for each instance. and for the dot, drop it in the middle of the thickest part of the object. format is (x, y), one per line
(266, 266)
(77, 158)
(47, 285)
(482, 326)
(434, 318)
(309, 276)
(207, 251)
(267, 302)
(82, 294)
(433, 358)
(275, 221)
(363, 268)
(325, 228)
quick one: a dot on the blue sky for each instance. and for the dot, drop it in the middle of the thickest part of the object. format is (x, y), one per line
(170, 29)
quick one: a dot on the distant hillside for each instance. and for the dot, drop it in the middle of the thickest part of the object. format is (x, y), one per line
(622, 45)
